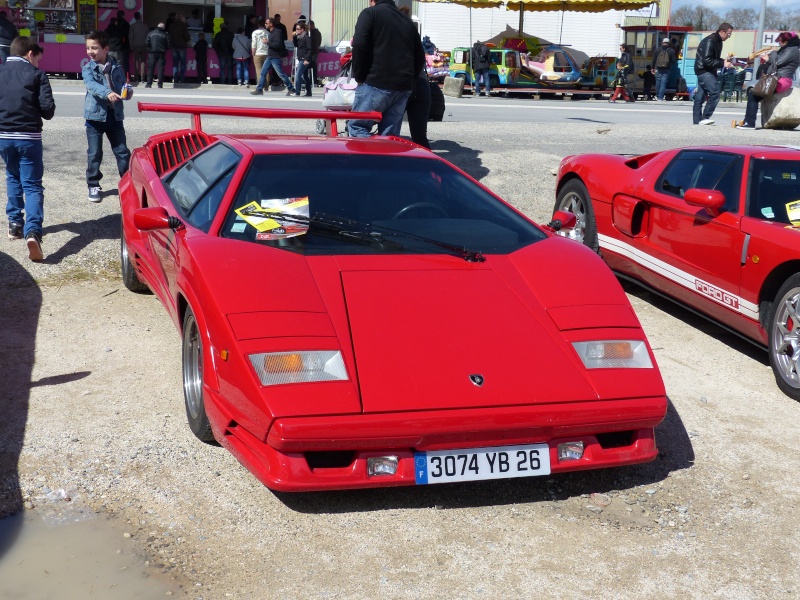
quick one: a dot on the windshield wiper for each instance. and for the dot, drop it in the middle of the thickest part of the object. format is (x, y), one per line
(341, 228)
(377, 234)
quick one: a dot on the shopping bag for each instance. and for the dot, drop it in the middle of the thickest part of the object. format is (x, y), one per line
(765, 86)
(339, 94)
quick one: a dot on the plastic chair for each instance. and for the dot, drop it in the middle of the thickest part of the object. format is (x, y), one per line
(732, 84)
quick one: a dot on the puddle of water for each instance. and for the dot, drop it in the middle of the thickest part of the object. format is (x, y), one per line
(84, 559)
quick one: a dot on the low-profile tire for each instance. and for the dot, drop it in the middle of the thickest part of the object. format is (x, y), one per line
(129, 276)
(574, 198)
(784, 337)
(192, 361)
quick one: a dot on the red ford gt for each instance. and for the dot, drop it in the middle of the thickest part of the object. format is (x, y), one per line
(714, 228)
(359, 313)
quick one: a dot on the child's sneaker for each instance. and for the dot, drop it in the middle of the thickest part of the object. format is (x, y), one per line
(95, 194)
(34, 241)
(14, 231)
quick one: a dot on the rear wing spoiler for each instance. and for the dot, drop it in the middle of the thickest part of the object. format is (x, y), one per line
(330, 116)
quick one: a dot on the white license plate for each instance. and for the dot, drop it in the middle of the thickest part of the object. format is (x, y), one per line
(475, 464)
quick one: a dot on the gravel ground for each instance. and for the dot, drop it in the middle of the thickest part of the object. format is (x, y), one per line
(92, 388)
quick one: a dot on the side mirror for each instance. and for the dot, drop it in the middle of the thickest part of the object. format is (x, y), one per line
(562, 220)
(156, 217)
(711, 200)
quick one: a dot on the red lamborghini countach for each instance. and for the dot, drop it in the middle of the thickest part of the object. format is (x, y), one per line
(359, 313)
(715, 228)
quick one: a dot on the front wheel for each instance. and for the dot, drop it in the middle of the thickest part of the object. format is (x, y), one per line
(574, 198)
(192, 363)
(784, 337)
(129, 277)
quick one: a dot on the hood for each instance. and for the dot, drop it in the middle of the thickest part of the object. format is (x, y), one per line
(422, 337)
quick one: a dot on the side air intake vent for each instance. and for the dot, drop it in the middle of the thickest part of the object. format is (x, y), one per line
(175, 149)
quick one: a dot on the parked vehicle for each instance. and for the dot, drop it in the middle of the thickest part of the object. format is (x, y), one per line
(503, 72)
(714, 228)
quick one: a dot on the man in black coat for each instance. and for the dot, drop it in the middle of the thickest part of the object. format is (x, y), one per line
(157, 43)
(387, 56)
(663, 59)
(706, 63)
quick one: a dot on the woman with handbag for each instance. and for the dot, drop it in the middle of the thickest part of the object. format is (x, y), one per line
(241, 57)
(781, 65)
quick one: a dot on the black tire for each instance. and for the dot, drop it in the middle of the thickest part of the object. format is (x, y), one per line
(574, 197)
(784, 337)
(437, 103)
(494, 80)
(192, 360)
(129, 277)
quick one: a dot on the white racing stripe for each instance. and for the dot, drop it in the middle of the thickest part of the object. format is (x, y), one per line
(682, 278)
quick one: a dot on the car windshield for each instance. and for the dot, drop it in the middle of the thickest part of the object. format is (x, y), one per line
(774, 193)
(362, 204)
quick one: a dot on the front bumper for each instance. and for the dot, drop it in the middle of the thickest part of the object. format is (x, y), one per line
(614, 433)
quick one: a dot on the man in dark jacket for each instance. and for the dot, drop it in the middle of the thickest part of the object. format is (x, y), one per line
(117, 42)
(387, 56)
(626, 60)
(481, 63)
(125, 28)
(223, 46)
(706, 63)
(26, 99)
(663, 59)
(157, 42)
(179, 41)
(276, 50)
(304, 51)
(8, 32)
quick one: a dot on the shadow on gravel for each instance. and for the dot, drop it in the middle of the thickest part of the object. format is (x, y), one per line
(675, 453)
(19, 318)
(466, 159)
(104, 228)
(733, 341)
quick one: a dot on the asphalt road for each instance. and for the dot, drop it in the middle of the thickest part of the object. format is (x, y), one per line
(516, 109)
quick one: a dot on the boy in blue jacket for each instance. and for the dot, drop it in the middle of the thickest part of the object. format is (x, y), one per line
(103, 111)
(25, 100)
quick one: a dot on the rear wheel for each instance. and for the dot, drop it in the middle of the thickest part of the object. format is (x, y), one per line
(129, 277)
(574, 198)
(784, 337)
(192, 362)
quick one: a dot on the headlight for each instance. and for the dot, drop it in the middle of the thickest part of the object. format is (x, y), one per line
(274, 368)
(613, 354)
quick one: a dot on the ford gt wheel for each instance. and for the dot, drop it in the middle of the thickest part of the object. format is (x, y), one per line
(784, 338)
(574, 198)
(129, 277)
(192, 362)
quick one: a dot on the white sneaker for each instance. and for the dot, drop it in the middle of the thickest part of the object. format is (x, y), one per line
(706, 122)
(95, 194)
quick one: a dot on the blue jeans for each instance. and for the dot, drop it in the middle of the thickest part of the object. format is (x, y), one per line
(662, 77)
(482, 75)
(178, 65)
(275, 63)
(390, 103)
(225, 68)
(115, 132)
(303, 75)
(242, 71)
(708, 92)
(24, 170)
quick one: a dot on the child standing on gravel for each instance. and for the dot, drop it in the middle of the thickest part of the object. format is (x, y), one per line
(103, 111)
(26, 99)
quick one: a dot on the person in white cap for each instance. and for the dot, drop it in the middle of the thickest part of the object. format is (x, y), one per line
(663, 59)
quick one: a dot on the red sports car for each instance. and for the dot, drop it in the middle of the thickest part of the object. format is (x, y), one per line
(714, 228)
(359, 313)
